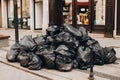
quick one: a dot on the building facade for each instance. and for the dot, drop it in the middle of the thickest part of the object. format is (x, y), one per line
(32, 14)
(38, 14)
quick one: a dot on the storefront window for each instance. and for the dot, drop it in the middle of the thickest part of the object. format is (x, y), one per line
(23, 14)
(26, 13)
(10, 13)
(83, 12)
(100, 12)
(67, 11)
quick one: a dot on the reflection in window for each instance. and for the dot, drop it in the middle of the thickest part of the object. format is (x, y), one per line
(100, 12)
(23, 16)
(10, 13)
(67, 11)
(82, 12)
(26, 13)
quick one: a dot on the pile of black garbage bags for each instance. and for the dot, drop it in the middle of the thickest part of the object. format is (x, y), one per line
(62, 48)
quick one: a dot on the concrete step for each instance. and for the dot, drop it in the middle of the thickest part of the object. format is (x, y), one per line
(50, 74)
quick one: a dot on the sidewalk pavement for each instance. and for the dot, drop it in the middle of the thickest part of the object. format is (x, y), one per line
(13, 71)
(106, 72)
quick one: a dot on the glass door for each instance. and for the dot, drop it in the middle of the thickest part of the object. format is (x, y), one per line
(10, 13)
(23, 14)
(82, 12)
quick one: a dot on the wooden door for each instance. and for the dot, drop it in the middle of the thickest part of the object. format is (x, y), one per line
(58, 12)
(118, 17)
(51, 12)
(55, 12)
(110, 11)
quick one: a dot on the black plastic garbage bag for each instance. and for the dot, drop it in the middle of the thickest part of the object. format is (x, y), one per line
(83, 31)
(24, 58)
(64, 63)
(110, 55)
(13, 52)
(27, 43)
(84, 66)
(41, 47)
(49, 39)
(83, 54)
(84, 40)
(30, 60)
(83, 57)
(64, 58)
(49, 58)
(53, 30)
(35, 63)
(65, 37)
(75, 64)
(12, 55)
(64, 50)
(98, 53)
(61, 47)
(91, 42)
(39, 40)
(15, 46)
(72, 30)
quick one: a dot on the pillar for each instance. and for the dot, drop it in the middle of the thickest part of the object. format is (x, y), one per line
(39, 14)
(4, 13)
(74, 13)
(31, 15)
(45, 16)
(16, 21)
(115, 27)
(91, 15)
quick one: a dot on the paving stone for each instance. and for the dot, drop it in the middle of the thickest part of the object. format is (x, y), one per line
(11, 73)
(51, 74)
(110, 71)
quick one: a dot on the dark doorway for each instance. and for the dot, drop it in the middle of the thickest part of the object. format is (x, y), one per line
(118, 17)
(110, 15)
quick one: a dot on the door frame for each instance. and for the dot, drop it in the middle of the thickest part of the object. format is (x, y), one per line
(110, 17)
(34, 9)
(117, 18)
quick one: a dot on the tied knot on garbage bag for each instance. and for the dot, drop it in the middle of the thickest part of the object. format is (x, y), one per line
(62, 48)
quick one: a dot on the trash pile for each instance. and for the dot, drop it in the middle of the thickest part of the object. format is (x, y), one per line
(62, 48)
